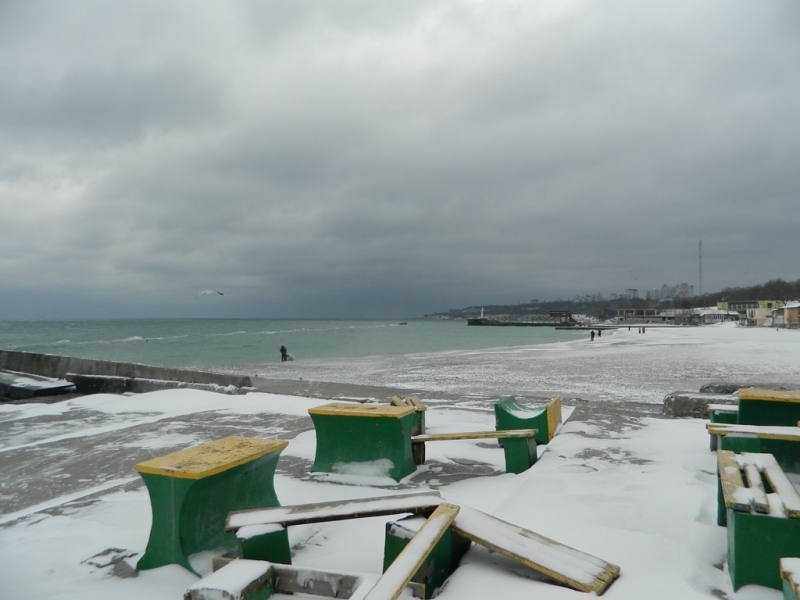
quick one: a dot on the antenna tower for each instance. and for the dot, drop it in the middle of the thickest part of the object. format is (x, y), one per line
(701, 267)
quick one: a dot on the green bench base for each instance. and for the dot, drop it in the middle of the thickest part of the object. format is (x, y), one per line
(510, 414)
(189, 514)
(271, 546)
(756, 543)
(768, 407)
(374, 442)
(440, 563)
(786, 452)
(727, 415)
(762, 515)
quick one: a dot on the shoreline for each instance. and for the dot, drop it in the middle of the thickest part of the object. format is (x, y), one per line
(622, 366)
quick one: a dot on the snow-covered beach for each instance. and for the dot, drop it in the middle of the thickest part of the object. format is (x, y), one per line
(619, 481)
(621, 365)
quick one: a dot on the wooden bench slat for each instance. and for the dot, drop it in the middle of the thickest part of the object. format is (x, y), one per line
(474, 435)
(399, 574)
(416, 403)
(723, 408)
(350, 409)
(756, 487)
(321, 512)
(567, 565)
(769, 395)
(766, 432)
(777, 480)
(733, 490)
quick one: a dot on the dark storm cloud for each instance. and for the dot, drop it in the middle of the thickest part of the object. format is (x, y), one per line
(346, 159)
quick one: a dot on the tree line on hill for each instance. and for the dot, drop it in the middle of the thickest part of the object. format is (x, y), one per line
(774, 289)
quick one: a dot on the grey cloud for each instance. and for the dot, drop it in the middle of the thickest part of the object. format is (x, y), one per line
(351, 159)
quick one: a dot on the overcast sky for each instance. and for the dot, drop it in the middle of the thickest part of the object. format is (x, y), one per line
(390, 159)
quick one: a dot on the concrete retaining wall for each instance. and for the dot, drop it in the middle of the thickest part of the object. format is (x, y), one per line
(693, 404)
(52, 365)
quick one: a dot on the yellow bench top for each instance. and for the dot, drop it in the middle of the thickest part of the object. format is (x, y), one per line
(344, 409)
(211, 458)
(769, 395)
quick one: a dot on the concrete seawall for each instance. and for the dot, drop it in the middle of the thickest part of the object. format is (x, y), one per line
(53, 365)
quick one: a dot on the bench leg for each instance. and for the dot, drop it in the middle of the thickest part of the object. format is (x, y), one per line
(418, 450)
(272, 547)
(520, 454)
(441, 562)
(167, 495)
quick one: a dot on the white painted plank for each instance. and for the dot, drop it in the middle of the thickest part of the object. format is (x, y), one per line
(569, 566)
(760, 431)
(474, 435)
(334, 511)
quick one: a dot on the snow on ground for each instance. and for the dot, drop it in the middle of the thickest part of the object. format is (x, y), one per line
(638, 491)
(620, 365)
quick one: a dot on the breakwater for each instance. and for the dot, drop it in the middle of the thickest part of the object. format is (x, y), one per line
(65, 367)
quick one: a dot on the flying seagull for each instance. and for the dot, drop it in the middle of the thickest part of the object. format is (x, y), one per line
(204, 292)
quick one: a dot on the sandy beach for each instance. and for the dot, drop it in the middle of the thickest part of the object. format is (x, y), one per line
(620, 481)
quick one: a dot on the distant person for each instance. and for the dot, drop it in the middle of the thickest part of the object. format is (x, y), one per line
(284, 354)
(642, 329)
(591, 336)
(599, 331)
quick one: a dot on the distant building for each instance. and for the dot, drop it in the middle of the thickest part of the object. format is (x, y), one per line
(637, 315)
(757, 317)
(741, 306)
(631, 293)
(709, 316)
(787, 316)
(666, 292)
(564, 316)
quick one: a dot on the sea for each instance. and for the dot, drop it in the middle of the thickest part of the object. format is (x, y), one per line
(222, 342)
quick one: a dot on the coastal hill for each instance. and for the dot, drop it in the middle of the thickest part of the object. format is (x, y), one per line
(602, 308)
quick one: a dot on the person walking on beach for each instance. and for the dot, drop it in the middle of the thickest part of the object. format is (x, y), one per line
(591, 336)
(599, 331)
(284, 354)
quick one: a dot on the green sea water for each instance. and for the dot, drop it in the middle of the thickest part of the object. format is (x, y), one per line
(219, 342)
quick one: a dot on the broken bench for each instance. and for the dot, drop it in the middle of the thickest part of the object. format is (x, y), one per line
(762, 513)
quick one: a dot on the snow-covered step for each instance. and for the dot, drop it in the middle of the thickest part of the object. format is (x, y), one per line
(21, 386)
